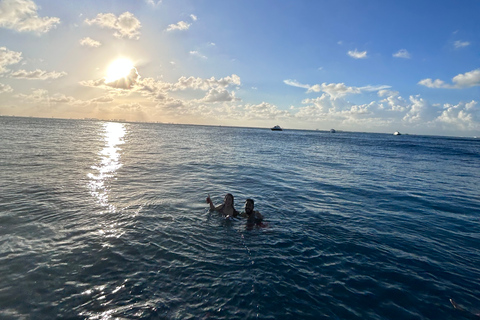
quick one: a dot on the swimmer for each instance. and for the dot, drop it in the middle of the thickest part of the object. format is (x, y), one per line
(250, 213)
(226, 209)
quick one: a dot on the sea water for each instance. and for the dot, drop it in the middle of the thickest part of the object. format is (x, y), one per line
(108, 220)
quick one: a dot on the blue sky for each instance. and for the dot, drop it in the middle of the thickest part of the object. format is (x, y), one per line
(374, 66)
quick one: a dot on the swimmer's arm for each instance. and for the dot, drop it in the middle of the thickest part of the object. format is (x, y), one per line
(212, 206)
(258, 215)
(217, 208)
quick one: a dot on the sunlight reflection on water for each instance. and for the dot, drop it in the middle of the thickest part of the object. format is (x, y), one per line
(105, 171)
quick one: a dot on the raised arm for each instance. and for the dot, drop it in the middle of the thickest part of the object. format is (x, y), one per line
(212, 206)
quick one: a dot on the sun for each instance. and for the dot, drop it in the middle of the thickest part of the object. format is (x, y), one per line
(119, 69)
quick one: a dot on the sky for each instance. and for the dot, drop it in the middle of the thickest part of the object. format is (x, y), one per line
(366, 66)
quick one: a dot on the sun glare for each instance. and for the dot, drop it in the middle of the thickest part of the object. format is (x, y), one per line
(118, 69)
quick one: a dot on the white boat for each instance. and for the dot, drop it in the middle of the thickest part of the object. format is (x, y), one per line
(276, 128)
(396, 133)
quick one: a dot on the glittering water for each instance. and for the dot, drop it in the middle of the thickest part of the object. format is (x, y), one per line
(105, 220)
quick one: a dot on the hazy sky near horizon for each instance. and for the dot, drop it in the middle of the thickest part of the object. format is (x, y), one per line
(379, 66)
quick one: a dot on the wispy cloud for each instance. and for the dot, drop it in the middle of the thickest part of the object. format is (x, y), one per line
(37, 74)
(357, 54)
(22, 16)
(461, 44)
(295, 83)
(402, 53)
(125, 25)
(460, 81)
(153, 3)
(198, 54)
(335, 90)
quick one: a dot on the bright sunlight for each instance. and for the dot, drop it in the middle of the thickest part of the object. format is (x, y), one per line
(119, 69)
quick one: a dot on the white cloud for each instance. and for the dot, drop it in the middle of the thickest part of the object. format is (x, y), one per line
(8, 57)
(460, 81)
(194, 17)
(374, 88)
(198, 54)
(295, 83)
(468, 79)
(392, 102)
(125, 25)
(153, 3)
(430, 83)
(264, 111)
(181, 25)
(219, 95)
(159, 91)
(335, 90)
(5, 88)
(37, 74)
(22, 16)
(461, 44)
(419, 111)
(89, 42)
(463, 115)
(357, 54)
(205, 84)
(386, 93)
(402, 53)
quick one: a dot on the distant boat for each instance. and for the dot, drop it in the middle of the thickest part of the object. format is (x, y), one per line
(276, 128)
(332, 131)
(396, 133)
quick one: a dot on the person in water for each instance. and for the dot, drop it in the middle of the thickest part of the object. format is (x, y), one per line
(226, 209)
(250, 213)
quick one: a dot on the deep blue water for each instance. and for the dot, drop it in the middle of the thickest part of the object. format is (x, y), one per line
(105, 220)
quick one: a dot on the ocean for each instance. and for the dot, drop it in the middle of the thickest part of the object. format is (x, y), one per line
(108, 220)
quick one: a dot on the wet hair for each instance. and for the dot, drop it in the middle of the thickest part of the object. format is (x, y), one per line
(233, 202)
(231, 195)
(250, 200)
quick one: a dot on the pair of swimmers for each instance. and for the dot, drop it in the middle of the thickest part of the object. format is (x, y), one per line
(228, 210)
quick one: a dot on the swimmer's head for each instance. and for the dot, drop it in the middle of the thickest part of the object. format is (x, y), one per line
(228, 201)
(249, 206)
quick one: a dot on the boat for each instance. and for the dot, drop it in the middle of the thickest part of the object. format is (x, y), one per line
(332, 131)
(396, 133)
(276, 128)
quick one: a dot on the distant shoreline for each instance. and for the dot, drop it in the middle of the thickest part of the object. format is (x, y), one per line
(240, 127)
